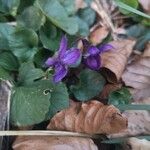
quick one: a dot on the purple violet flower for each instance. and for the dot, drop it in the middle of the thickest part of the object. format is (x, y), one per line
(63, 59)
(92, 53)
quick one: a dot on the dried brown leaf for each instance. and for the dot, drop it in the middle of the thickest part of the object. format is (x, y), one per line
(80, 4)
(114, 61)
(138, 122)
(53, 143)
(146, 5)
(91, 117)
(98, 35)
(137, 76)
(147, 50)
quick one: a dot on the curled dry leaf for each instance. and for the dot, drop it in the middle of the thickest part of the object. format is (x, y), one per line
(137, 76)
(108, 88)
(92, 117)
(98, 35)
(139, 144)
(53, 143)
(146, 5)
(114, 61)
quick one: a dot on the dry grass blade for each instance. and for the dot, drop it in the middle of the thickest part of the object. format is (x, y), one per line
(92, 117)
(46, 133)
(97, 6)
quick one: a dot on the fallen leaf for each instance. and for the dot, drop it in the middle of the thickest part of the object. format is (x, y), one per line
(98, 35)
(5, 92)
(145, 5)
(147, 50)
(137, 76)
(80, 4)
(114, 61)
(138, 144)
(108, 88)
(92, 117)
(138, 122)
(53, 143)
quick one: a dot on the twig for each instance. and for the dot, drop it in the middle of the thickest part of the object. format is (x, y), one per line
(97, 6)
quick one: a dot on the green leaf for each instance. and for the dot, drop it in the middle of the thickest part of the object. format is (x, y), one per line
(50, 36)
(29, 105)
(4, 74)
(88, 15)
(23, 43)
(57, 14)
(40, 57)
(83, 27)
(31, 17)
(3, 18)
(9, 6)
(24, 4)
(9, 61)
(59, 96)
(130, 9)
(5, 32)
(91, 84)
(28, 74)
(141, 33)
(69, 6)
(121, 96)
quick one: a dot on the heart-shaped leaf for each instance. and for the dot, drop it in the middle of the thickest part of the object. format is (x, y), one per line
(9, 61)
(29, 105)
(57, 14)
(9, 6)
(31, 17)
(50, 36)
(121, 96)
(91, 84)
(28, 73)
(39, 102)
(23, 43)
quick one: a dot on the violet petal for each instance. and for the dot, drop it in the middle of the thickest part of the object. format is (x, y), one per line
(93, 50)
(93, 62)
(71, 56)
(105, 47)
(50, 61)
(63, 46)
(60, 72)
